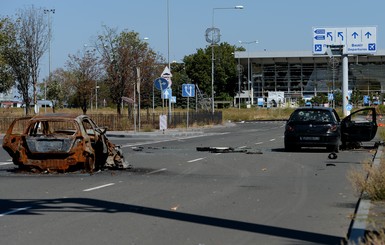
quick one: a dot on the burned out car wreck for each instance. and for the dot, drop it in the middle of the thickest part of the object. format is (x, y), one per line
(60, 143)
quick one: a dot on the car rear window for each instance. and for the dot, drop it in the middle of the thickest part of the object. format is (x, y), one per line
(312, 115)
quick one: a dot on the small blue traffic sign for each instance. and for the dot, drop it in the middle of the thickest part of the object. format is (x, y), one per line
(167, 94)
(188, 90)
(349, 107)
(161, 83)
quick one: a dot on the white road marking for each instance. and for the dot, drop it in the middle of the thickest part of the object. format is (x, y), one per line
(195, 160)
(241, 147)
(272, 140)
(157, 171)
(99, 187)
(259, 143)
(14, 211)
(5, 163)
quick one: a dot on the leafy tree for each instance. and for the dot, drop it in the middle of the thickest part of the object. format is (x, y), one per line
(198, 68)
(320, 99)
(356, 97)
(84, 73)
(15, 59)
(34, 38)
(23, 43)
(123, 56)
(6, 75)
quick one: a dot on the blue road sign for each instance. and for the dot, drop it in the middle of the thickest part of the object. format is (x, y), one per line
(167, 94)
(188, 90)
(349, 107)
(161, 83)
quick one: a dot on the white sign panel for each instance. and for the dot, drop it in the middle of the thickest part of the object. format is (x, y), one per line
(361, 40)
(357, 40)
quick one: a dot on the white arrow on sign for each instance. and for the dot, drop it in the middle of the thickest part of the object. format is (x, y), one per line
(167, 93)
(188, 90)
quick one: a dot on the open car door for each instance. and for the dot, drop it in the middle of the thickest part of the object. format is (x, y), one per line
(360, 126)
(12, 137)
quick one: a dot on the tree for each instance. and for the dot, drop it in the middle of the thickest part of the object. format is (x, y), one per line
(34, 36)
(57, 88)
(84, 72)
(122, 54)
(6, 76)
(25, 41)
(198, 69)
(15, 59)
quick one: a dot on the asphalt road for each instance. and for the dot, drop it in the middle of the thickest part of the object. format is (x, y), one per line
(177, 195)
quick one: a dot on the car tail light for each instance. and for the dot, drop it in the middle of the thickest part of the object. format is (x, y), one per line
(289, 128)
(333, 128)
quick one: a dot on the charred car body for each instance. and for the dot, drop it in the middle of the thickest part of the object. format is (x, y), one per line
(61, 142)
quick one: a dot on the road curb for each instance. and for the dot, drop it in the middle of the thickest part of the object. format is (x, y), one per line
(358, 226)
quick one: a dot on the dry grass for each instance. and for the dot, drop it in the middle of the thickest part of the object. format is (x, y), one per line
(370, 181)
(243, 114)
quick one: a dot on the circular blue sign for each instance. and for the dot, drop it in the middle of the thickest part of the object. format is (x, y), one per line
(160, 83)
(349, 107)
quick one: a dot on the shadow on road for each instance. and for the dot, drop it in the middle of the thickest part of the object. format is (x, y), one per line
(45, 206)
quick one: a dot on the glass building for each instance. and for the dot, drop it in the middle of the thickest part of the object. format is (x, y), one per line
(301, 74)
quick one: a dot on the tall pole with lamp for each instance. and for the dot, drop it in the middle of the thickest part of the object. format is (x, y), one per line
(213, 37)
(48, 11)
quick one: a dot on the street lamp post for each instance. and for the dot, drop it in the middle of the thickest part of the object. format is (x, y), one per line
(215, 38)
(48, 11)
(248, 67)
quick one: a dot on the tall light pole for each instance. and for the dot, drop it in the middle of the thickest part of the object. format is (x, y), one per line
(213, 37)
(248, 67)
(48, 11)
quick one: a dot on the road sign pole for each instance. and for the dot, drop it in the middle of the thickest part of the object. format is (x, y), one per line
(188, 108)
(345, 78)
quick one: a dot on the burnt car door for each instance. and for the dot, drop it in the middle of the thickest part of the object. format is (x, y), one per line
(360, 126)
(13, 135)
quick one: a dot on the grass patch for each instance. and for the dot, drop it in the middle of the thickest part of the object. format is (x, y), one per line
(370, 181)
(244, 114)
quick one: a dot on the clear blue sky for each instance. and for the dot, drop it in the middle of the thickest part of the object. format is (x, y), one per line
(276, 24)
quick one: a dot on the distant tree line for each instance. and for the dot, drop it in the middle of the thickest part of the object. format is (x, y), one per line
(116, 65)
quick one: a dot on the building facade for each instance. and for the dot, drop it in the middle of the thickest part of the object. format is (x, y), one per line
(302, 74)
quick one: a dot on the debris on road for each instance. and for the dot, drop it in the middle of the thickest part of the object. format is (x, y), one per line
(221, 149)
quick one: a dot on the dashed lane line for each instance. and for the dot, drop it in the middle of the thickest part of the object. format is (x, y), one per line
(5, 163)
(14, 211)
(195, 160)
(99, 187)
(157, 171)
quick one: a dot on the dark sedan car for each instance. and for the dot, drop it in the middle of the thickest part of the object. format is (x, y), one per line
(322, 127)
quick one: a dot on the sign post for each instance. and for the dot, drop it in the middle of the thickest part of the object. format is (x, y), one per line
(188, 90)
(166, 74)
(353, 41)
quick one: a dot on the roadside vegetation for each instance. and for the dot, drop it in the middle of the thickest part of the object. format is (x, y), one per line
(369, 182)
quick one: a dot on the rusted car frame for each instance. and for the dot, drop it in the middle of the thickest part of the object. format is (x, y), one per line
(61, 142)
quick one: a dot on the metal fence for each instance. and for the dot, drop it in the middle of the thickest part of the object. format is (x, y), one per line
(148, 121)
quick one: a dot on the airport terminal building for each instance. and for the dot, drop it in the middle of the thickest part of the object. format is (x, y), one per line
(303, 74)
